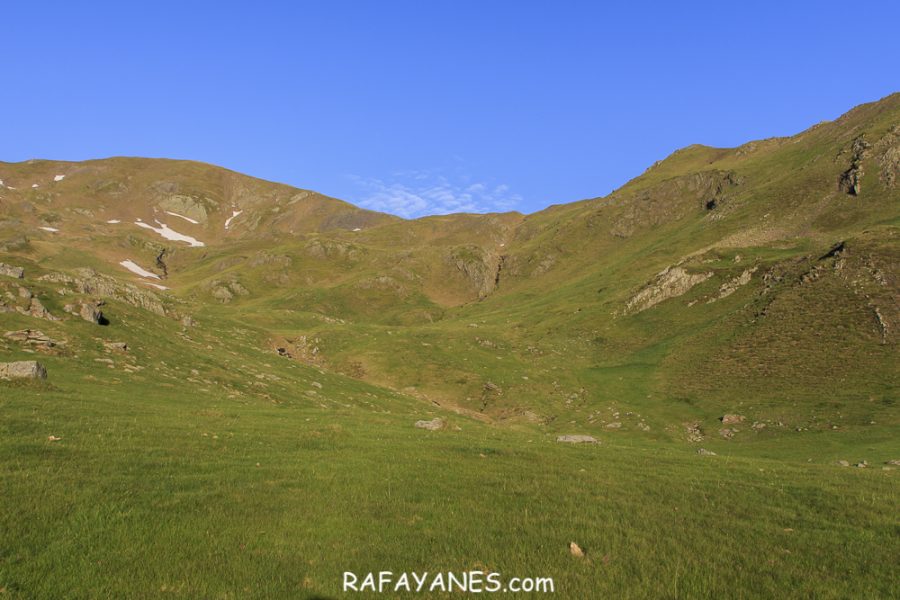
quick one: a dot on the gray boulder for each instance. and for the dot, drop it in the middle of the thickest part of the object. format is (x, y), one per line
(577, 439)
(23, 369)
(432, 425)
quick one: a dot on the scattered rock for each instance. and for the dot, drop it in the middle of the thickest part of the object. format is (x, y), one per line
(861, 464)
(705, 452)
(24, 369)
(727, 433)
(575, 550)
(643, 427)
(432, 425)
(11, 271)
(187, 321)
(731, 419)
(53, 438)
(694, 433)
(577, 439)
(843, 463)
(895, 462)
(757, 425)
(116, 346)
(614, 425)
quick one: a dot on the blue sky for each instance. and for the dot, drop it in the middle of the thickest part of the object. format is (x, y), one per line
(427, 107)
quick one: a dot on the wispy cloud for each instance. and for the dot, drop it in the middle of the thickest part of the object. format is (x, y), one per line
(411, 194)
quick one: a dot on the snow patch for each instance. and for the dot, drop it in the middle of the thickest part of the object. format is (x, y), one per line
(114, 221)
(188, 219)
(59, 178)
(156, 285)
(137, 269)
(357, 229)
(50, 229)
(170, 234)
(34, 185)
(234, 213)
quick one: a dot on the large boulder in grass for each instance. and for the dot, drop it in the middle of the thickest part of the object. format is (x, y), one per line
(23, 369)
(577, 439)
(432, 425)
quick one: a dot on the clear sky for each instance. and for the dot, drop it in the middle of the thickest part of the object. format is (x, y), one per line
(432, 106)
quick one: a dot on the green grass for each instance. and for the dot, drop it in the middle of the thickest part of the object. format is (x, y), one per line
(167, 493)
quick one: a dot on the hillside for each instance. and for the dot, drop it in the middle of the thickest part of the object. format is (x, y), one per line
(281, 344)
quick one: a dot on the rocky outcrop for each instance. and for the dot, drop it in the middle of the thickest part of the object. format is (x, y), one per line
(850, 181)
(731, 286)
(731, 419)
(669, 283)
(480, 267)
(37, 309)
(32, 337)
(89, 282)
(24, 369)
(11, 271)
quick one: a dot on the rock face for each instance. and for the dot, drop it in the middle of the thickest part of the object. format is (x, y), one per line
(187, 206)
(116, 346)
(577, 439)
(11, 271)
(432, 425)
(24, 369)
(669, 283)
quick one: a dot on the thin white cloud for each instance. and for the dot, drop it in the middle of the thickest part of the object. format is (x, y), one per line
(414, 194)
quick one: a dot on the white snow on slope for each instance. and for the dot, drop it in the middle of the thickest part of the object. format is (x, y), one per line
(156, 285)
(137, 269)
(50, 229)
(114, 221)
(34, 185)
(171, 234)
(188, 219)
(59, 178)
(234, 213)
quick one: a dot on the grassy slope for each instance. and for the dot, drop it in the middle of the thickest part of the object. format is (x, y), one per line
(245, 478)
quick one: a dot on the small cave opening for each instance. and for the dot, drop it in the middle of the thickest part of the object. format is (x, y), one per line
(711, 204)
